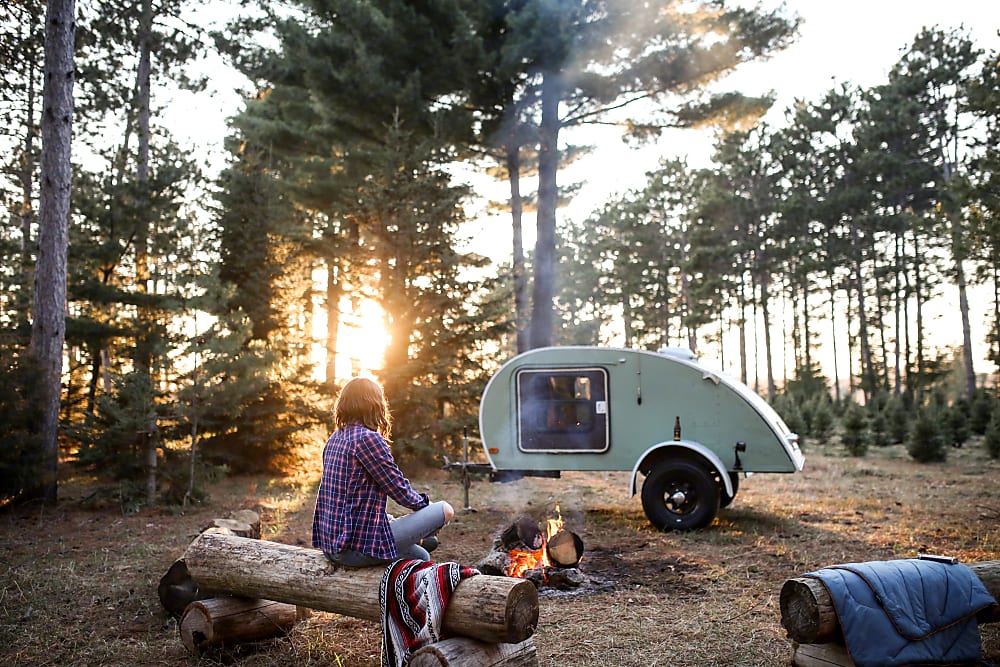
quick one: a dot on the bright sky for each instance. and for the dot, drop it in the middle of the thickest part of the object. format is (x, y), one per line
(855, 41)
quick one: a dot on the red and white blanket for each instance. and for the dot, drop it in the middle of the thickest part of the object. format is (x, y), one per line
(413, 596)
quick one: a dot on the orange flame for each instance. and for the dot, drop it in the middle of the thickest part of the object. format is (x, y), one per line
(521, 561)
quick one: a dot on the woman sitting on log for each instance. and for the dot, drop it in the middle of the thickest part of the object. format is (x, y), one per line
(350, 524)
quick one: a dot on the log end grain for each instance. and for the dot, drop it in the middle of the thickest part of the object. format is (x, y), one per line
(807, 613)
(197, 633)
(522, 612)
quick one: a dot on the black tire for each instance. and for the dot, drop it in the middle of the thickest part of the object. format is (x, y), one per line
(680, 495)
(725, 500)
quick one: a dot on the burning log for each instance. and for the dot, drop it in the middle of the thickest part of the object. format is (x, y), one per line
(565, 549)
(808, 615)
(225, 621)
(492, 609)
(523, 534)
(523, 550)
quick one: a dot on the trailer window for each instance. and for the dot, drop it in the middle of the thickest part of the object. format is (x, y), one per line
(562, 410)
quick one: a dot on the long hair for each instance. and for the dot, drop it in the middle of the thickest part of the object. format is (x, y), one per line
(362, 401)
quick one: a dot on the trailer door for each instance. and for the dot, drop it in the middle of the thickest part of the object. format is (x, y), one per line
(562, 410)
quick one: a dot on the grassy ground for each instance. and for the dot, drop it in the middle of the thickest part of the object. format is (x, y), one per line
(78, 586)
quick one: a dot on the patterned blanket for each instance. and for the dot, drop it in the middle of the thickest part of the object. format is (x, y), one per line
(413, 596)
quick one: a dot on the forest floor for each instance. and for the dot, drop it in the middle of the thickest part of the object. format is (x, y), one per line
(78, 584)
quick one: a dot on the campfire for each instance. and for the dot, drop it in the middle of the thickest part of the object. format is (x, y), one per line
(548, 557)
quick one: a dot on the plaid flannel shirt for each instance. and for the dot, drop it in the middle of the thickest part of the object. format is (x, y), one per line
(359, 473)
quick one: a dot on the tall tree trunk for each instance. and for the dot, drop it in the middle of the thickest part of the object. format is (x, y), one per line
(963, 305)
(880, 316)
(833, 336)
(806, 329)
(627, 318)
(334, 290)
(144, 352)
(48, 330)
(542, 307)
(686, 291)
(919, 293)
(513, 161)
(742, 324)
(898, 300)
(27, 173)
(867, 365)
(766, 314)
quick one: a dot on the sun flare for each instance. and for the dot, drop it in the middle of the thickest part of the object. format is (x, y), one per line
(361, 340)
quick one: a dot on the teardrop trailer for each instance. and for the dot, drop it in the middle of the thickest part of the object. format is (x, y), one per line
(688, 430)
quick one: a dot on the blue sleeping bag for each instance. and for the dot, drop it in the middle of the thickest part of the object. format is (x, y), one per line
(907, 612)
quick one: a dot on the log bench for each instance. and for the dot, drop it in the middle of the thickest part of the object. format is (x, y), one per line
(491, 619)
(809, 617)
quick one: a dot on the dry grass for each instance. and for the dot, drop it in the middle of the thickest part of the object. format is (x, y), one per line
(78, 586)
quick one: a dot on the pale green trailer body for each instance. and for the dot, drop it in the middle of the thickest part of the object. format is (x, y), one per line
(689, 430)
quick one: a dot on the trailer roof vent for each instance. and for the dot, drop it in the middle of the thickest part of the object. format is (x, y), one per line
(684, 353)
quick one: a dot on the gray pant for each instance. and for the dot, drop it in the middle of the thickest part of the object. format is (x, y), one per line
(407, 531)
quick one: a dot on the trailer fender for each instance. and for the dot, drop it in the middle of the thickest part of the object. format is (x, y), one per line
(701, 450)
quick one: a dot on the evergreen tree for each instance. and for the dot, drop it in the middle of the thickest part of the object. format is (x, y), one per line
(855, 430)
(925, 442)
(258, 400)
(992, 437)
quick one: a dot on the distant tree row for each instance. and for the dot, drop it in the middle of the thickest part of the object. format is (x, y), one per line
(851, 217)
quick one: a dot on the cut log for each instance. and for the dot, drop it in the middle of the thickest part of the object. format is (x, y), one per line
(565, 549)
(492, 609)
(177, 589)
(462, 652)
(226, 621)
(234, 527)
(821, 655)
(807, 612)
(250, 518)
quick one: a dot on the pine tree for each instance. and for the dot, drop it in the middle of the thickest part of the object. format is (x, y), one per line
(855, 433)
(925, 442)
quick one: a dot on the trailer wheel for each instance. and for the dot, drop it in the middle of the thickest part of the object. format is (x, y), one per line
(724, 498)
(680, 495)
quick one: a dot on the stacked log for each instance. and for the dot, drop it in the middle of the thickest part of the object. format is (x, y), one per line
(214, 623)
(177, 589)
(488, 608)
(809, 617)
(463, 652)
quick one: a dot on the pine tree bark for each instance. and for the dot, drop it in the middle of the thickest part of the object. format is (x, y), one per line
(48, 329)
(513, 161)
(543, 293)
(963, 305)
